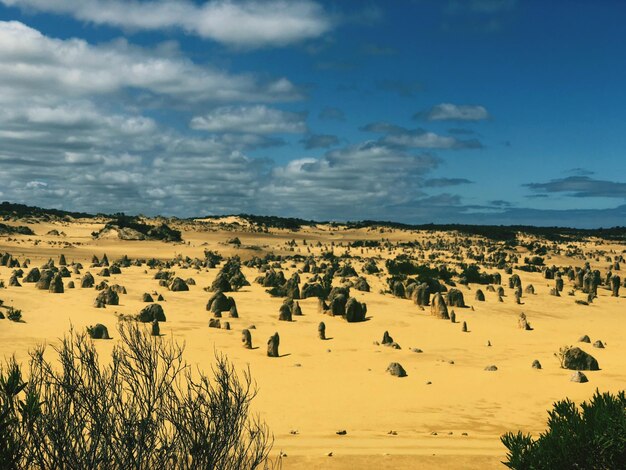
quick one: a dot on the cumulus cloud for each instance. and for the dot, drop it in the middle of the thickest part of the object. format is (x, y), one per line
(248, 24)
(186, 180)
(581, 186)
(257, 119)
(79, 130)
(92, 160)
(68, 124)
(317, 141)
(418, 138)
(357, 181)
(453, 112)
(430, 140)
(56, 69)
(36, 184)
(79, 156)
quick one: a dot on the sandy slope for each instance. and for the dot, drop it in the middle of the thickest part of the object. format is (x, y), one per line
(319, 387)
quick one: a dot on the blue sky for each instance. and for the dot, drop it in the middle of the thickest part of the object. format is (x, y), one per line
(475, 111)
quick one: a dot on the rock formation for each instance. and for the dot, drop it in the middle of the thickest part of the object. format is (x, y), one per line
(321, 330)
(246, 339)
(150, 313)
(438, 307)
(396, 370)
(272, 345)
(98, 331)
(577, 359)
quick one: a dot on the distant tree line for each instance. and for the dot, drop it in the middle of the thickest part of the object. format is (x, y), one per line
(505, 233)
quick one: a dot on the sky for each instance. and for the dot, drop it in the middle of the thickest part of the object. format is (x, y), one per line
(424, 111)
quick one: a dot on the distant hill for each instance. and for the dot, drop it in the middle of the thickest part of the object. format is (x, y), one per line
(131, 228)
(507, 233)
(288, 223)
(493, 232)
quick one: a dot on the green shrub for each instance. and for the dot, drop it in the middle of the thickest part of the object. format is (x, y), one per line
(471, 273)
(592, 436)
(535, 260)
(234, 241)
(14, 314)
(403, 265)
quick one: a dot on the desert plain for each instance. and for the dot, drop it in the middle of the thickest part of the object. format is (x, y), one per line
(447, 412)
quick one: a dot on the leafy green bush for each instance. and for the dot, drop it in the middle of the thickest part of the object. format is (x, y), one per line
(145, 409)
(234, 241)
(471, 273)
(365, 243)
(14, 314)
(13, 230)
(403, 265)
(535, 260)
(152, 232)
(590, 437)
(212, 257)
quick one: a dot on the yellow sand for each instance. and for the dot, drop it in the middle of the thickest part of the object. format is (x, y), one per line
(319, 387)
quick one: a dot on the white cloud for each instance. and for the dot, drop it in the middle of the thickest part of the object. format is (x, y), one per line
(248, 24)
(453, 112)
(36, 184)
(55, 69)
(73, 134)
(80, 156)
(99, 168)
(420, 139)
(158, 193)
(351, 182)
(76, 132)
(121, 160)
(427, 140)
(115, 177)
(257, 119)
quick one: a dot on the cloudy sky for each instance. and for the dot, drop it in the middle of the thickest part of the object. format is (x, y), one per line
(469, 111)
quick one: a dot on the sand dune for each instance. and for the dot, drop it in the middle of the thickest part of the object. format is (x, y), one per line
(447, 413)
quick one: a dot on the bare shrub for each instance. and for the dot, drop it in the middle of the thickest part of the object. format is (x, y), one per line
(146, 409)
